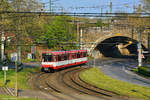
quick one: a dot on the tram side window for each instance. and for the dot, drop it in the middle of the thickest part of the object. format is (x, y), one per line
(73, 55)
(81, 54)
(65, 57)
(69, 56)
(78, 55)
(62, 57)
(48, 58)
(85, 54)
(59, 57)
(54, 58)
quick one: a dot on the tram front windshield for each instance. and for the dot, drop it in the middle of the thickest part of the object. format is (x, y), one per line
(47, 57)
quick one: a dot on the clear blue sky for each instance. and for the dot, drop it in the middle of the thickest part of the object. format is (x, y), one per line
(92, 6)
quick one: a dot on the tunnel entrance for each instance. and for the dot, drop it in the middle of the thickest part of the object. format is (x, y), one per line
(118, 47)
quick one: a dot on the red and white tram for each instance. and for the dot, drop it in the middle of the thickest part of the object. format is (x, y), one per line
(59, 59)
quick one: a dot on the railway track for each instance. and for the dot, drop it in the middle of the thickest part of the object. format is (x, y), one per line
(76, 83)
(42, 84)
(66, 85)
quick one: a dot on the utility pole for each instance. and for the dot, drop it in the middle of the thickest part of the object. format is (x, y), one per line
(16, 64)
(2, 45)
(81, 39)
(101, 11)
(50, 5)
(148, 37)
(110, 7)
(132, 33)
(139, 49)
(140, 41)
(140, 9)
(19, 49)
(18, 58)
(18, 34)
(78, 31)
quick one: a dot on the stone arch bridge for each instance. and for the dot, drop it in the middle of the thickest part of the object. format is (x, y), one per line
(103, 42)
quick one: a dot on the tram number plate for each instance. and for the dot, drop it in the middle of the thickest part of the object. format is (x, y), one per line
(45, 68)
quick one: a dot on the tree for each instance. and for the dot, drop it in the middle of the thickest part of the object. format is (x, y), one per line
(60, 30)
(26, 5)
(26, 25)
(146, 7)
(4, 21)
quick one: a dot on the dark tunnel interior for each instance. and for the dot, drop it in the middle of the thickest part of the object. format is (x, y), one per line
(109, 47)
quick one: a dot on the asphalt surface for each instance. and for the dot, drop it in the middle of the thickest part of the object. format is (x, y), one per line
(120, 69)
(25, 65)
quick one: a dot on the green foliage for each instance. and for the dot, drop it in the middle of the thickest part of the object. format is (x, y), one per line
(23, 77)
(59, 31)
(148, 60)
(144, 71)
(135, 70)
(32, 60)
(5, 97)
(99, 23)
(146, 7)
(97, 78)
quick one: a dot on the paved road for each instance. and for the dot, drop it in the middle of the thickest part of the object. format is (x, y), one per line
(120, 69)
(25, 65)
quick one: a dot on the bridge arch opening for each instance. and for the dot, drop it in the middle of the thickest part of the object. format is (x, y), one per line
(118, 47)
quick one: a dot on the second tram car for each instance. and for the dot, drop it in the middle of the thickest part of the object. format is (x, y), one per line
(59, 59)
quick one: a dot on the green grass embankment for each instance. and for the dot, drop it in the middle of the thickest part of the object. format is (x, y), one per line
(97, 78)
(143, 71)
(3, 97)
(23, 77)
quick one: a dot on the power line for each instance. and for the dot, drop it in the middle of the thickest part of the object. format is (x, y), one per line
(134, 15)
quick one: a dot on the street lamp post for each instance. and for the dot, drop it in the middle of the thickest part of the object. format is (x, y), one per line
(139, 50)
(2, 46)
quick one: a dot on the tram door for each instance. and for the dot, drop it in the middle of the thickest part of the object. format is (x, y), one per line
(69, 58)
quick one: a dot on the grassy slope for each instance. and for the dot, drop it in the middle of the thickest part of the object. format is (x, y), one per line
(23, 77)
(96, 77)
(3, 97)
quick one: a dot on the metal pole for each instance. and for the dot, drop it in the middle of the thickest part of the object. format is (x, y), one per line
(140, 45)
(140, 9)
(132, 33)
(19, 52)
(4, 77)
(148, 41)
(110, 7)
(139, 50)
(81, 37)
(101, 11)
(50, 5)
(78, 32)
(16, 64)
(18, 34)
(2, 46)
(94, 61)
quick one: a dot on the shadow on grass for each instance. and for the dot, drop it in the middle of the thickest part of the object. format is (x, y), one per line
(7, 81)
(140, 93)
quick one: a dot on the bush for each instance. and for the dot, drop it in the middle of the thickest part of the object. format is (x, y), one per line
(144, 71)
(148, 60)
(32, 60)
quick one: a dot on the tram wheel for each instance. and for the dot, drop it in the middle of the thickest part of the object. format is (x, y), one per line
(42, 69)
(51, 70)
